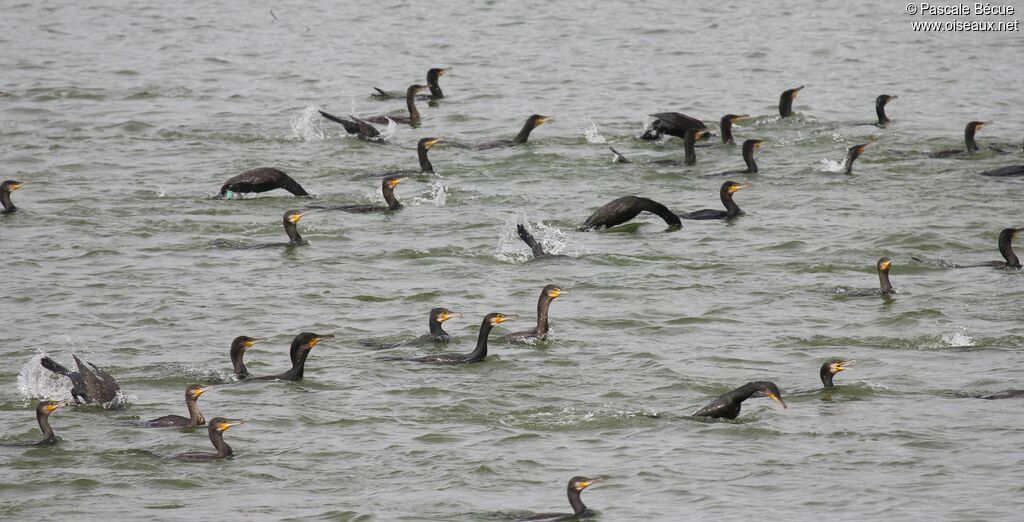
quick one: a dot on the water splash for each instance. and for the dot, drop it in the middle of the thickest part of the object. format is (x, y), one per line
(306, 125)
(36, 382)
(387, 133)
(437, 196)
(957, 340)
(511, 249)
(591, 133)
(828, 165)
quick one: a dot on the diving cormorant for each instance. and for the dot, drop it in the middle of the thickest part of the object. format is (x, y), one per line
(580, 511)
(880, 102)
(5, 195)
(360, 128)
(726, 127)
(89, 385)
(540, 332)
(478, 354)
(727, 405)
(786, 101)
(301, 346)
(195, 417)
(261, 180)
(618, 158)
(216, 431)
(972, 146)
(524, 134)
(626, 208)
(671, 123)
(731, 208)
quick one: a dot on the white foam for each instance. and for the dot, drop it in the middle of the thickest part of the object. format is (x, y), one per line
(306, 125)
(36, 382)
(957, 340)
(591, 133)
(511, 248)
(828, 165)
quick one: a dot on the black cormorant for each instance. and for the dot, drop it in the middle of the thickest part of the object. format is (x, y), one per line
(89, 385)
(410, 103)
(617, 157)
(830, 368)
(580, 511)
(671, 123)
(626, 208)
(261, 180)
(726, 127)
(216, 431)
(880, 102)
(433, 75)
(1005, 172)
(852, 154)
(301, 346)
(1006, 249)
(883, 275)
(195, 417)
(238, 348)
(290, 221)
(786, 101)
(731, 208)
(749, 146)
(362, 129)
(972, 146)
(524, 134)
(540, 332)
(43, 411)
(478, 354)
(5, 194)
(435, 321)
(387, 187)
(727, 405)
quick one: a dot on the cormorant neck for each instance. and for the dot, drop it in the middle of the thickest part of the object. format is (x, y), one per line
(826, 376)
(44, 425)
(748, 158)
(742, 393)
(542, 313)
(435, 88)
(298, 355)
(425, 165)
(575, 501)
(688, 143)
(480, 352)
(293, 233)
(786, 104)
(389, 196)
(883, 279)
(660, 210)
(1006, 249)
(726, 128)
(195, 416)
(524, 134)
(237, 353)
(5, 200)
(437, 328)
(880, 112)
(217, 438)
(727, 200)
(851, 156)
(410, 103)
(972, 146)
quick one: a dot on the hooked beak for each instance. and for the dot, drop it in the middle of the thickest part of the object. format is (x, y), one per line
(587, 483)
(739, 187)
(443, 316)
(229, 423)
(502, 318)
(316, 340)
(294, 218)
(17, 186)
(544, 119)
(431, 143)
(842, 365)
(777, 399)
(798, 89)
(739, 116)
(254, 340)
(394, 183)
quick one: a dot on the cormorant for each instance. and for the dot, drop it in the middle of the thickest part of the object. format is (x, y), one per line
(290, 221)
(972, 146)
(410, 103)
(726, 127)
(535, 246)
(540, 332)
(880, 102)
(43, 411)
(1005, 172)
(852, 154)
(626, 208)
(435, 324)
(830, 368)
(671, 123)
(786, 101)
(748, 157)
(360, 128)
(238, 348)
(301, 346)
(731, 208)
(387, 187)
(1006, 249)
(89, 385)
(5, 195)
(216, 430)
(195, 417)
(576, 486)
(689, 142)
(478, 354)
(883, 275)
(618, 158)
(524, 134)
(1005, 394)
(422, 147)
(261, 180)
(433, 75)
(727, 405)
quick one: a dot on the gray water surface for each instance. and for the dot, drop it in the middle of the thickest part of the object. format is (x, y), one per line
(128, 118)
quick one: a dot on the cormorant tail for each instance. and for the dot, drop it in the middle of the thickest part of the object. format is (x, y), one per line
(530, 241)
(619, 158)
(381, 91)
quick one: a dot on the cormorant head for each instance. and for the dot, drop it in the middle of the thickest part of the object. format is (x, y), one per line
(750, 145)
(391, 183)
(733, 117)
(497, 318)
(220, 424)
(731, 186)
(292, 216)
(307, 340)
(581, 483)
(11, 185)
(436, 73)
(770, 390)
(441, 315)
(553, 291)
(976, 126)
(428, 143)
(792, 92)
(193, 392)
(242, 342)
(855, 151)
(835, 366)
(48, 407)
(884, 264)
(537, 119)
(884, 99)
(415, 89)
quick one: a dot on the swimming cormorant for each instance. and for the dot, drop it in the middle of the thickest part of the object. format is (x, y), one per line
(216, 430)
(748, 157)
(786, 101)
(580, 511)
(301, 346)
(478, 354)
(1005, 172)
(387, 187)
(972, 146)
(433, 75)
(89, 385)
(360, 128)
(626, 208)
(726, 127)
(422, 147)
(540, 332)
(437, 334)
(524, 134)
(830, 368)
(238, 348)
(852, 154)
(290, 221)
(5, 195)
(731, 208)
(671, 123)
(727, 405)
(1005, 394)
(261, 180)
(43, 411)
(880, 102)
(410, 103)
(195, 417)
(1006, 249)
(883, 275)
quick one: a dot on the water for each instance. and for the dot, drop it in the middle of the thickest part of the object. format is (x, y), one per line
(128, 118)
